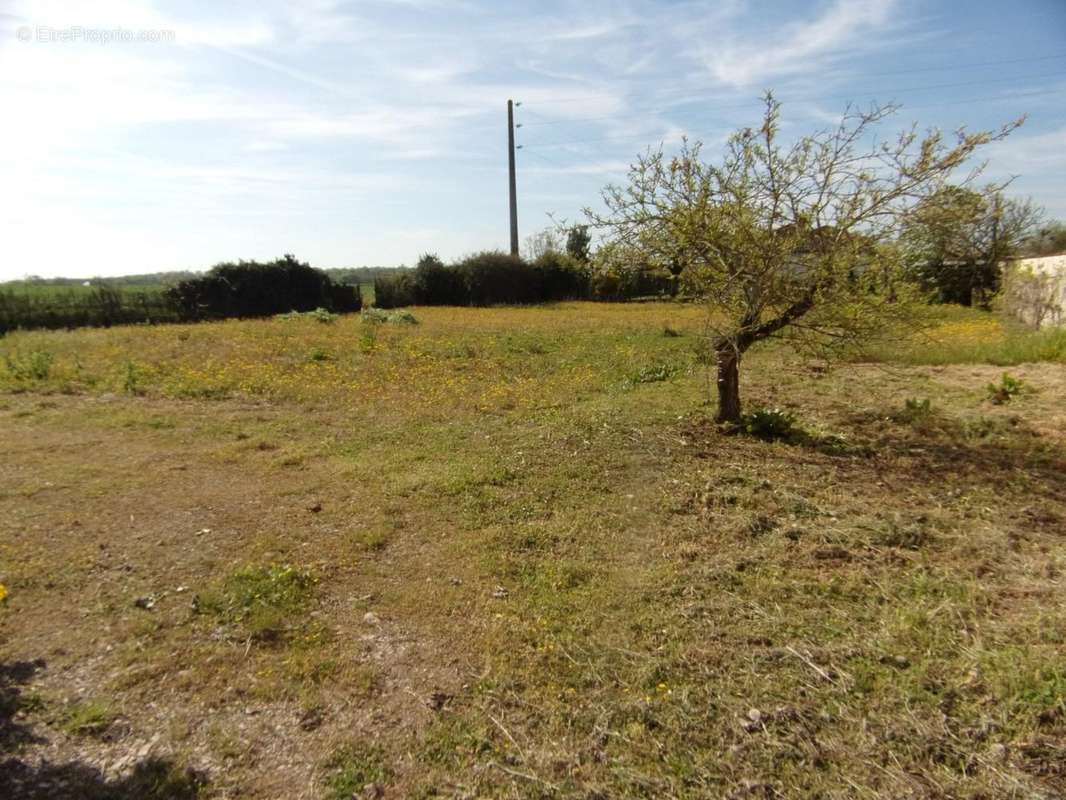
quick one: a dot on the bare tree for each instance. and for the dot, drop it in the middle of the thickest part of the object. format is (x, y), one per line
(777, 238)
(542, 243)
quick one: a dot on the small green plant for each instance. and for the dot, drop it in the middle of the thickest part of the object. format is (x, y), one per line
(318, 315)
(1006, 390)
(771, 425)
(131, 378)
(374, 540)
(655, 373)
(318, 355)
(87, 719)
(262, 600)
(36, 366)
(398, 317)
(368, 338)
(670, 332)
(352, 768)
(915, 410)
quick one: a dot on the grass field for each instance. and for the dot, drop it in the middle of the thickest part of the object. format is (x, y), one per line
(503, 553)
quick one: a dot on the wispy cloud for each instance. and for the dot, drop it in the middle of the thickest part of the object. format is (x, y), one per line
(843, 28)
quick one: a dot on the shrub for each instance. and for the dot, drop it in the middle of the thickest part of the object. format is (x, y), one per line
(771, 425)
(395, 290)
(253, 289)
(493, 278)
(562, 277)
(438, 285)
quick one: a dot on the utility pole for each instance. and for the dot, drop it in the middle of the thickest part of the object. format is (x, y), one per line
(513, 185)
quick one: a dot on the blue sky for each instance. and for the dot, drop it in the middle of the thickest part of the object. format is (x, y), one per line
(368, 132)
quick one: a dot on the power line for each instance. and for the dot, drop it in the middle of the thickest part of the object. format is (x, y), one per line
(534, 149)
(651, 110)
(584, 98)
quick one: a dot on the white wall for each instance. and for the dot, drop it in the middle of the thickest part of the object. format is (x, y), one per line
(1034, 290)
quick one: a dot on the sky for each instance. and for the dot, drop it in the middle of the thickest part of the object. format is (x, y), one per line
(141, 137)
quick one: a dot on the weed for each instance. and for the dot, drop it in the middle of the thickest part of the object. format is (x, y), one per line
(655, 373)
(772, 425)
(262, 600)
(131, 378)
(87, 719)
(352, 768)
(36, 366)
(1006, 390)
(318, 355)
(318, 315)
(374, 540)
(915, 410)
(398, 317)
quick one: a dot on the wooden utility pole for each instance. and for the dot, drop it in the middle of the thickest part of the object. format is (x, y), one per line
(513, 185)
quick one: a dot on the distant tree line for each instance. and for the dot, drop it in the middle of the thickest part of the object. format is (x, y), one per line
(100, 307)
(242, 289)
(496, 278)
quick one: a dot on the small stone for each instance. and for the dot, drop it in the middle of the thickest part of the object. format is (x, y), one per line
(147, 602)
(311, 719)
(438, 700)
(500, 592)
(370, 618)
(900, 662)
(755, 715)
(372, 791)
(455, 581)
(315, 508)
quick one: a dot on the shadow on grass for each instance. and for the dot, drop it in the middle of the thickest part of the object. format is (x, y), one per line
(31, 778)
(990, 452)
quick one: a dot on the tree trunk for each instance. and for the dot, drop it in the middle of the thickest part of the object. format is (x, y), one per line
(728, 360)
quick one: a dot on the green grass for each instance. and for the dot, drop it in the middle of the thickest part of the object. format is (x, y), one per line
(353, 767)
(87, 719)
(264, 602)
(525, 562)
(957, 335)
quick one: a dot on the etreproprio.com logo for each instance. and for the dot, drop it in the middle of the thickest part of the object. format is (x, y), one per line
(77, 33)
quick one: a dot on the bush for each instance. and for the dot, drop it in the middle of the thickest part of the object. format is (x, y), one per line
(254, 289)
(438, 285)
(493, 278)
(772, 425)
(395, 290)
(562, 277)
